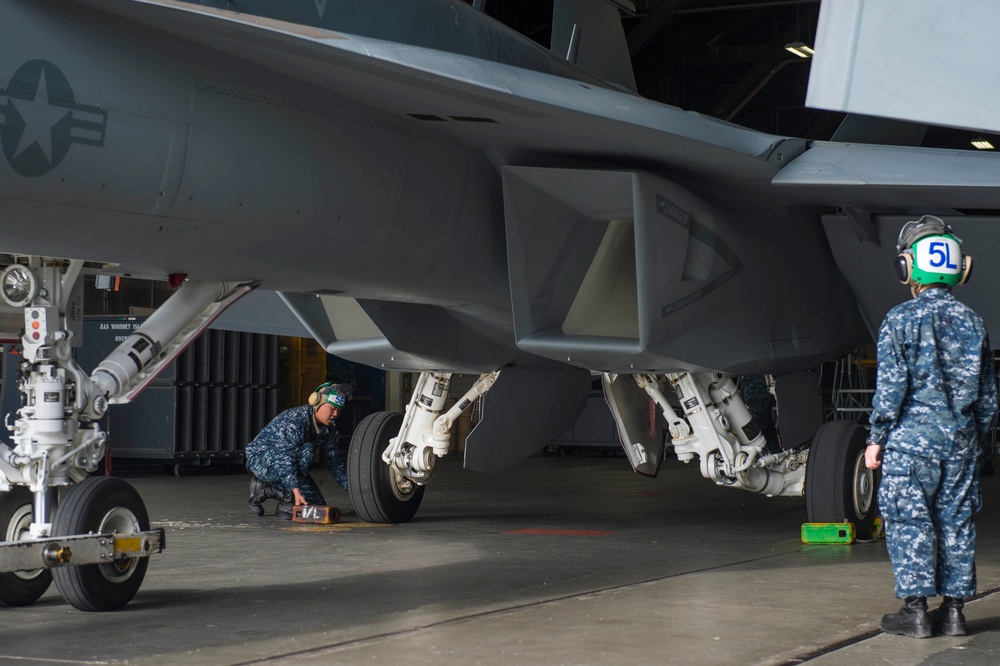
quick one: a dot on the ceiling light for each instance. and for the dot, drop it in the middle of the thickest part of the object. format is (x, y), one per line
(800, 49)
(982, 144)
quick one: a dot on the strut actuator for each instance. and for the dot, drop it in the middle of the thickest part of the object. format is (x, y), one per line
(57, 439)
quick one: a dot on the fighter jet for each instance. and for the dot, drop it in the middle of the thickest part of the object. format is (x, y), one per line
(429, 191)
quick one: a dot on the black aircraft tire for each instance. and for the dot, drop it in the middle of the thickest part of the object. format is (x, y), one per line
(19, 588)
(101, 505)
(377, 491)
(839, 487)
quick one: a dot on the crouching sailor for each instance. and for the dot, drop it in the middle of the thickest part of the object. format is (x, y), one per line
(280, 456)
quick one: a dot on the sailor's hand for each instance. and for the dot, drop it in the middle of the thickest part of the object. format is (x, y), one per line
(873, 456)
(299, 499)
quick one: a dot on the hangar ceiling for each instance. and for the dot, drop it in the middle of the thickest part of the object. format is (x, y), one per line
(724, 58)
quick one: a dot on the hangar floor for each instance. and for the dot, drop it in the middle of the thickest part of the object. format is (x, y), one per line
(557, 561)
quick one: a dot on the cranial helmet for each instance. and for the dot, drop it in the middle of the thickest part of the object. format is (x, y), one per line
(928, 252)
(330, 393)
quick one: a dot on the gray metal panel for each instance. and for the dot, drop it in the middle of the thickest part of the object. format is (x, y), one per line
(869, 268)
(922, 60)
(893, 176)
(693, 287)
(800, 407)
(600, 47)
(545, 402)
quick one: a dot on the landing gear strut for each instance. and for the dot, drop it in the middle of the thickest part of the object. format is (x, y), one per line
(57, 440)
(392, 456)
(19, 588)
(716, 429)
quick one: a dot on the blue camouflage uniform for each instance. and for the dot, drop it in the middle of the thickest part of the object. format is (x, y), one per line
(283, 451)
(935, 400)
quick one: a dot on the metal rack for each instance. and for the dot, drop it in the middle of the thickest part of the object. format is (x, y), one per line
(203, 408)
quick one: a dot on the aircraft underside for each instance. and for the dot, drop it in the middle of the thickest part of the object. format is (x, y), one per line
(431, 217)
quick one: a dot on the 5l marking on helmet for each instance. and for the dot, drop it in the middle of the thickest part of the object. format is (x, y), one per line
(939, 256)
(42, 120)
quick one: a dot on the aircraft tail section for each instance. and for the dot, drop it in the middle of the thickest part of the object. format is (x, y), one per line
(589, 34)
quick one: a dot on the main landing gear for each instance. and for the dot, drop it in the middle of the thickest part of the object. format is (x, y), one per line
(91, 535)
(392, 456)
(716, 429)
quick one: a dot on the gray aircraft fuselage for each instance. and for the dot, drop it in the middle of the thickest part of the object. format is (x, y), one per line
(470, 241)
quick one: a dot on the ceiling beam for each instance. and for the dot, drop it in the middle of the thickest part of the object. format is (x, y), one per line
(754, 80)
(651, 25)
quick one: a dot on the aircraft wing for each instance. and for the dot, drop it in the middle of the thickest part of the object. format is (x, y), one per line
(891, 176)
(483, 103)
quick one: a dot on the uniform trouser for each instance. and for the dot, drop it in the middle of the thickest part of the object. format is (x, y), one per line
(267, 469)
(928, 508)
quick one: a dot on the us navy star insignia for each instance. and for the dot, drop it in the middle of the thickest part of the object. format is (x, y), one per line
(41, 119)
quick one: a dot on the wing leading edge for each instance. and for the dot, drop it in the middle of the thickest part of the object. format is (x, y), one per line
(481, 102)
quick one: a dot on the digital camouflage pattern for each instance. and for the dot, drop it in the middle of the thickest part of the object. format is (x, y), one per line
(936, 391)
(934, 404)
(283, 452)
(928, 506)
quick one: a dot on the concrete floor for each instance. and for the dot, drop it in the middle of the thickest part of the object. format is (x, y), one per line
(557, 561)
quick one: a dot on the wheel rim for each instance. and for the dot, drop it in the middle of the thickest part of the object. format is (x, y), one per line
(402, 487)
(19, 529)
(119, 520)
(864, 487)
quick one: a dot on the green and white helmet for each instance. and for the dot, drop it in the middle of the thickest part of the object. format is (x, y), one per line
(930, 253)
(330, 393)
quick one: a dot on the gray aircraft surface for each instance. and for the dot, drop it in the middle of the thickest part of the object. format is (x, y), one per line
(429, 191)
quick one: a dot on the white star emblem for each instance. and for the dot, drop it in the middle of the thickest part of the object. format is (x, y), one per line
(39, 116)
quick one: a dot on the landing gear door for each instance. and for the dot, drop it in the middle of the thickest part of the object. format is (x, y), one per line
(630, 406)
(800, 408)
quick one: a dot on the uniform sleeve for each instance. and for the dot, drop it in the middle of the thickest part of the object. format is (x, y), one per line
(334, 464)
(986, 404)
(286, 450)
(890, 385)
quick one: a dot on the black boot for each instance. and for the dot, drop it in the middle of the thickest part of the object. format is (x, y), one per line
(258, 493)
(948, 618)
(912, 619)
(284, 510)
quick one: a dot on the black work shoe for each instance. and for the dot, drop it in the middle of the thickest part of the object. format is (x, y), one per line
(257, 494)
(284, 510)
(948, 617)
(912, 620)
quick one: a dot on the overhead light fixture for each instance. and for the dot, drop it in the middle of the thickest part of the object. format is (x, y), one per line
(800, 49)
(982, 144)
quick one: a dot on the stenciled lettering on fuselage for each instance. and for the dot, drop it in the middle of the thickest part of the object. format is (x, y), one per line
(702, 234)
(40, 119)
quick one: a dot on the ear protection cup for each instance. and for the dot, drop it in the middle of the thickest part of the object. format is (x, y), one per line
(904, 267)
(966, 269)
(315, 397)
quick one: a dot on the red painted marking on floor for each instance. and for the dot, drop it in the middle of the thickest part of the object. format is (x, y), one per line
(575, 533)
